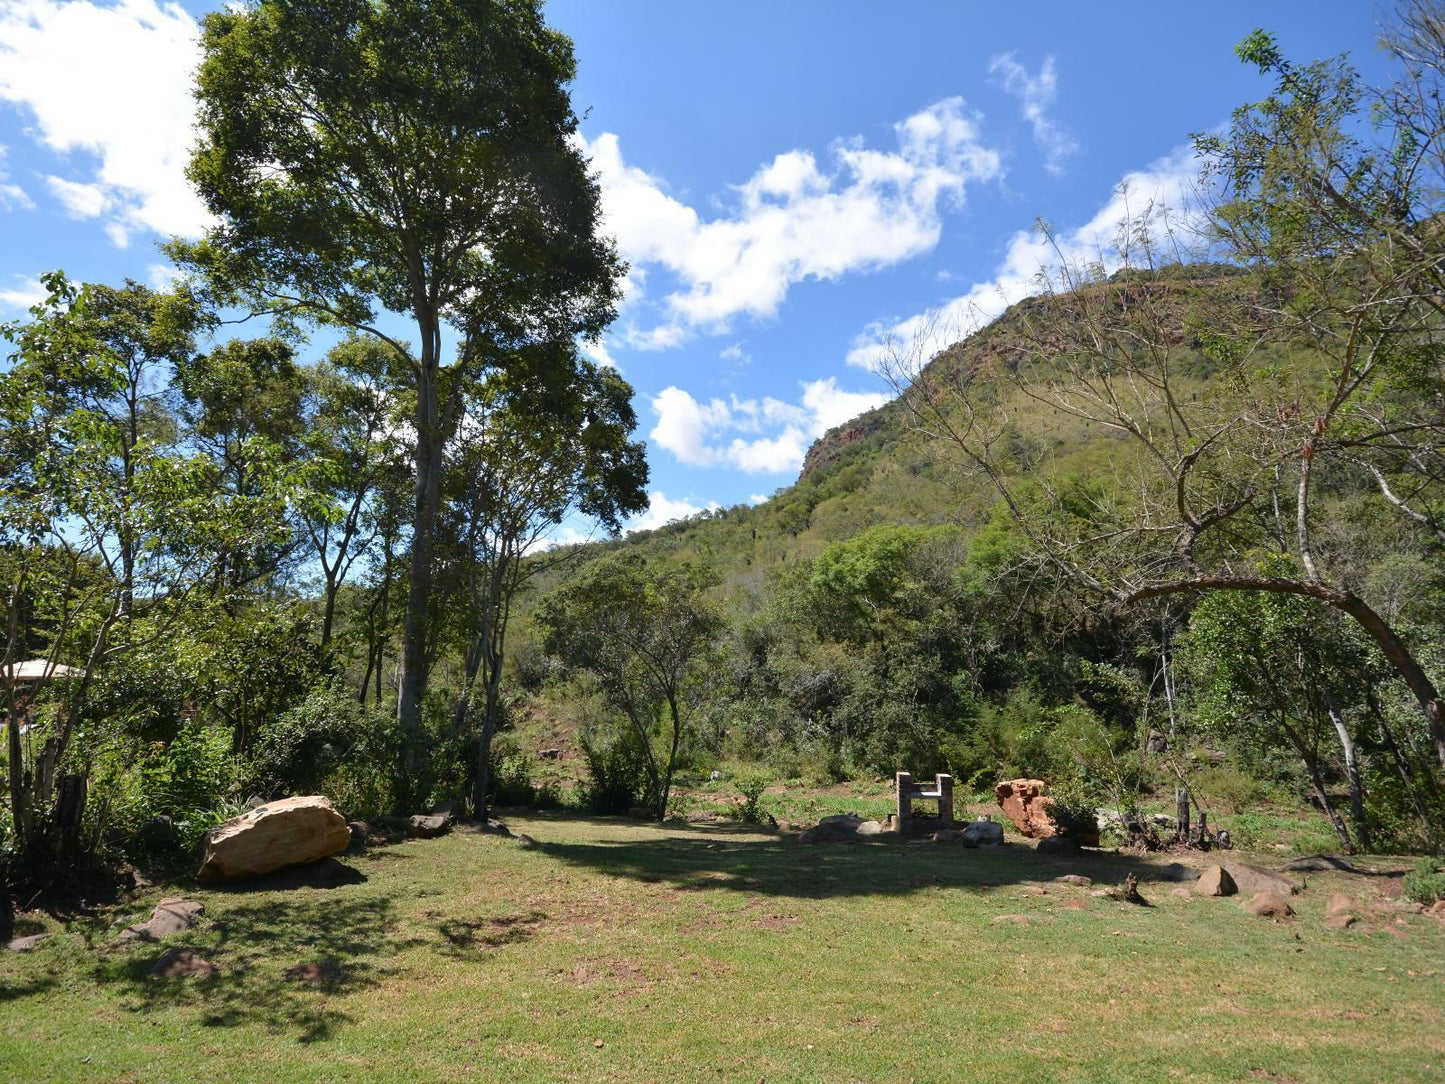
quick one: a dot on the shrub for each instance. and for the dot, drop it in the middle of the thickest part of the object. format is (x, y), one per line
(751, 787)
(511, 774)
(618, 769)
(1426, 882)
(329, 744)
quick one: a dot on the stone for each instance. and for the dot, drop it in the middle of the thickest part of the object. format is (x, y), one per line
(178, 963)
(1254, 879)
(1270, 905)
(360, 835)
(841, 828)
(1342, 921)
(289, 832)
(1215, 881)
(170, 916)
(1340, 904)
(1017, 920)
(1404, 907)
(556, 754)
(1059, 845)
(1024, 803)
(1175, 871)
(981, 833)
(1162, 820)
(1109, 820)
(1179, 892)
(526, 842)
(1077, 880)
(26, 944)
(1323, 863)
(428, 825)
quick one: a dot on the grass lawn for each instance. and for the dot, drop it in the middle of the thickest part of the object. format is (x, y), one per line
(619, 951)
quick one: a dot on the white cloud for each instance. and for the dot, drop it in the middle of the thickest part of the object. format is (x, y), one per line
(162, 276)
(777, 433)
(12, 196)
(1161, 192)
(1035, 94)
(795, 219)
(661, 510)
(757, 498)
(25, 293)
(80, 200)
(114, 81)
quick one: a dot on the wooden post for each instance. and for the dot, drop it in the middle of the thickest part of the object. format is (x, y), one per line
(1181, 814)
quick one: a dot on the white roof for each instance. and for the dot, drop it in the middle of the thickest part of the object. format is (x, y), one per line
(37, 670)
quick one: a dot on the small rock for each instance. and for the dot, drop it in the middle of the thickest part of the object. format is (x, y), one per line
(551, 754)
(1057, 845)
(360, 835)
(1017, 920)
(177, 962)
(1270, 905)
(1405, 907)
(170, 916)
(598, 1043)
(1437, 909)
(982, 833)
(1341, 904)
(1033, 890)
(311, 974)
(1179, 892)
(26, 944)
(1075, 879)
(526, 842)
(1341, 921)
(1215, 881)
(869, 828)
(428, 826)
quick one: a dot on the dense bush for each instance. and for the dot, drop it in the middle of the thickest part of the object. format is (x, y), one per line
(1426, 882)
(618, 778)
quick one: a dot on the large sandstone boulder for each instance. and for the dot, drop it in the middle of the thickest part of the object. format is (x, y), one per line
(289, 832)
(1026, 804)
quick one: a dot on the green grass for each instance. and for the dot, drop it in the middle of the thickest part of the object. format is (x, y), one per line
(716, 953)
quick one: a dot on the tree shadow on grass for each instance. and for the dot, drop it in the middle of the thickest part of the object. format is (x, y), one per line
(281, 964)
(783, 867)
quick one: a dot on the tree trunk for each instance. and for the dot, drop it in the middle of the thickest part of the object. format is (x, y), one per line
(1353, 775)
(1317, 784)
(418, 604)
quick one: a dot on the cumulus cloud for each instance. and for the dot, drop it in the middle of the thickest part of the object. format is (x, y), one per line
(661, 510)
(12, 196)
(24, 293)
(1035, 94)
(768, 436)
(111, 81)
(1160, 193)
(796, 218)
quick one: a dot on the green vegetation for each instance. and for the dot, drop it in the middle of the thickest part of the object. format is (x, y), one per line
(700, 952)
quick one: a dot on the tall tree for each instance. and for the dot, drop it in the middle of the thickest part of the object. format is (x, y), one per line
(408, 156)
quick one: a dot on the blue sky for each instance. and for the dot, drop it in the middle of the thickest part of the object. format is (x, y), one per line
(794, 184)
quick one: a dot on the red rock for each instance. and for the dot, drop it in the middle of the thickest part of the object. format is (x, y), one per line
(1025, 803)
(1270, 905)
(289, 832)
